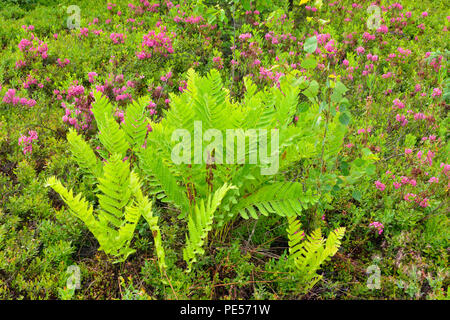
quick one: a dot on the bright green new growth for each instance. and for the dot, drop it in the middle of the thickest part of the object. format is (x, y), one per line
(145, 208)
(113, 223)
(200, 223)
(207, 102)
(203, 192)
(308, 254)
(84, 155)
(120, 199)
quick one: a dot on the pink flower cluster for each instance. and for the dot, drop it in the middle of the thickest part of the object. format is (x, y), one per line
(91, 76)
(433, 180)
(419, 116)
(429, 157)
(245, 36)
(84, 32)
(368, 69)
(403, 52)
(267, 74)
(276, 39)
(383, 29)
(409, 197)
(380, 186)
(421, 202)
(121, 115)
(30, 82)
(166, 77)
(20, 64)
(398, 104)
(218, 62)
(110, 6)
(63, 63)
(377, 225)
(362, 130)
(194, 20)
(27, 141)
(372, 57)
(28, 28)
(183, 85)
(33, 47)
(117, 37)
(445, 169)
(75, 90)
(436, 63)
(436, 92)
(309, 8)
(152, 107)
(387, 75)
(147, 6)
(114, 89)
(360, 50)
(402, 119)
(156, 43)
(79, 115)
(367, 36)
(11, 98)
(248, 12)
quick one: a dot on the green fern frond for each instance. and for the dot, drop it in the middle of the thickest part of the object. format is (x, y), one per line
(114, 222)
(77, 205)
(200, 223)
(286, 100)
(113, 138)
(309, 253)
(83, 154)
(164, 181)
(135, 125)
(124, 234)
(102, 109)
(181, 114)
(282, 198)
(115, 188)
(295, 236)
(145, 207)
(333, 242)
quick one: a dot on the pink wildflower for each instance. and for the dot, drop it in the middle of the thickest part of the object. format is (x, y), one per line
(380, 186)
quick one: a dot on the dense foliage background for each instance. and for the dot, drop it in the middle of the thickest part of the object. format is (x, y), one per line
(388, 183)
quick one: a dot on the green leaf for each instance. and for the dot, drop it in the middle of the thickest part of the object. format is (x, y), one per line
(303, 107)
(344, 118)
(371, 169)
(310, 44)
(356, 194)
(359, 162)
(345, 168)
(312, 90)
(309, 63)
(340, 88)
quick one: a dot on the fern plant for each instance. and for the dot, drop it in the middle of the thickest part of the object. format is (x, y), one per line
(204, 191)
(307, 253)
(121, 202)
(200, 223)
(187, 186)
(113, 223)
(206, 101)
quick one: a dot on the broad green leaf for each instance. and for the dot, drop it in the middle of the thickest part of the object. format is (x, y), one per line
(309, 63)
(310, 44)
